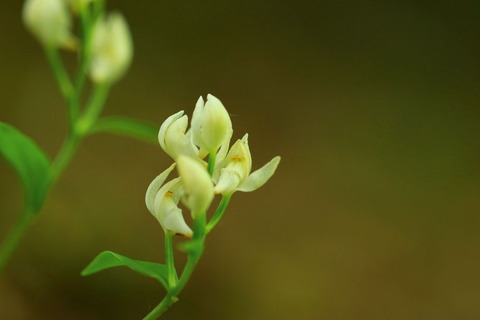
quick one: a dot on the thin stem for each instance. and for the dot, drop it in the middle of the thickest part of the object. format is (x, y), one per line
(94, 107)
(63, 81)
(217, 216)
(211, 162)
(87, 23)
(166, 302)
(13, 238)
(64, 156)
(172, 273)
(194, 254)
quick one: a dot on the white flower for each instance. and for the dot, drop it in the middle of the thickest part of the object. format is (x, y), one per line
(211, 125)
(232, 173)
(173, 139)
(197, 184)
(112, 49)
(50, 22)
(162, 202)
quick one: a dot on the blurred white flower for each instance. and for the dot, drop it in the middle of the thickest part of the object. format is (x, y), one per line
(112, 49)
(232, 173)
(50, 22)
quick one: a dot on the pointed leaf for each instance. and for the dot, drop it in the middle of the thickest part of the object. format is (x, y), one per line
(109, 259)
(29, 161)
(127, 127)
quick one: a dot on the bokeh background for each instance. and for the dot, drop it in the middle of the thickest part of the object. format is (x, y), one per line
(374, 212)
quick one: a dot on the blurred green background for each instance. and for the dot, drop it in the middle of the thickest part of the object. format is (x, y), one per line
(373, 213)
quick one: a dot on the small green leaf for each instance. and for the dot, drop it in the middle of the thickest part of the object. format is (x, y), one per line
(30, 163)
(128, 127)
(109, 259)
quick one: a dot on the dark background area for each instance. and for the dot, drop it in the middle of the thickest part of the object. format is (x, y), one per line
(372, 214)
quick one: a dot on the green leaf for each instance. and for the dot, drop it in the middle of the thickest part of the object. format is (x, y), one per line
(109, 259)
(128, 127)
(30, 163)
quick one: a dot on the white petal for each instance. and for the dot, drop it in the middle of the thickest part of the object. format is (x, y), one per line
(50, 21)
(228, 182)
(247, 154)
(197, 184)
(154, 187)
(259, 177)
(221, 156)
(166, 210)
(111, 50)
(175, 223)
(211, 125)
(164, 127)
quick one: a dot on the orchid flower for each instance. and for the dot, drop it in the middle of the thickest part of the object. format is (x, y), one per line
(50, 22)
(211, 125)
(112, 49)
(232, 173)
(162, 202)
(173, 139)
(197, 184)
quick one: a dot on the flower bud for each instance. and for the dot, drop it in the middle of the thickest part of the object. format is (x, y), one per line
(211, 125)
(173, 139)
(112, 49)
(197, 185)
(50, 22)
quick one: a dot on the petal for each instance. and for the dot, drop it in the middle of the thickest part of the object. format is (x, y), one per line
(166, 210)
(221, 156)
(175, 223)
(259, 177)
(211, 125)
(154, 187)
(228, 182)
(165, 125)
(247, 153)
(177, 142)
(197, 184)
(196, 124)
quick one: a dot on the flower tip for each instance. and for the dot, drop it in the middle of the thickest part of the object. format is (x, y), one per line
(200, 101)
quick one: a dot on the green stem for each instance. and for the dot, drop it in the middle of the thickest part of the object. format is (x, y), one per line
(217, 216)
(63, 81)
(94, 107)
(172, 273)
(14, 236)
(87, 24)
(64, 156)
(194, 254)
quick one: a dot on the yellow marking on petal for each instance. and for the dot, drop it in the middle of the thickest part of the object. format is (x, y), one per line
(238, 158)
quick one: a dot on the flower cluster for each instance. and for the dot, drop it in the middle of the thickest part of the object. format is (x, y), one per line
(107, 43)
(228, 169)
